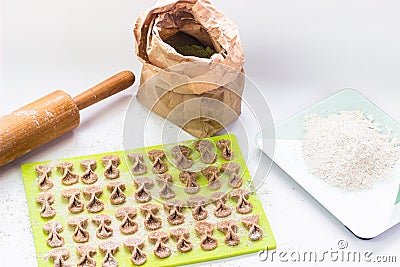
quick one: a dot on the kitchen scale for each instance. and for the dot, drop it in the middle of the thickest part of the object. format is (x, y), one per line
(366, 213)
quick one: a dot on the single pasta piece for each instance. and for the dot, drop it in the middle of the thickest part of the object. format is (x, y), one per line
(207, 151)
(212, 175)
(53, 230)
(104, 229)
(126, 214)
(157, 156)
(68, 177)
(165, 181)
(44, 172)
(117, 196)
(46, 200)
(226, 151)
(205, 230)
(230, 229)
(135, 246)
(221, 209)
(158, 238)
(111, 163)
(86, 253)
(243, 205)
(139, 167)
(108, 248)
(89, 176)
(181, 236)
(251, 223)
(59, 257)
(174, 207)
(143, 184)
(93, 193)
(198, 203)
(181, 155)
(232, 169)
(81, 234)
(190, 180)
(151, 221)
(75, 205)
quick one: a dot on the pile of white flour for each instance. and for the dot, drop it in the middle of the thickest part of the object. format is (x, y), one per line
(348, 150)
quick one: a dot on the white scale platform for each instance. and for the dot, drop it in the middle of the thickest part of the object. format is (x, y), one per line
(367, 213)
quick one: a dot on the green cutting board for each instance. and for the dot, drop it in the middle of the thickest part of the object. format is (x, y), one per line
(122, 255)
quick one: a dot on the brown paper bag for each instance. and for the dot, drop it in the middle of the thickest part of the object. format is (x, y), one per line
(200, 94)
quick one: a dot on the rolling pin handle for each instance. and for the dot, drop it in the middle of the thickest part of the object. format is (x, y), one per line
(109, 87)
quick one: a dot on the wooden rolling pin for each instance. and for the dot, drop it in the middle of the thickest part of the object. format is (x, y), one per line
(51, 116)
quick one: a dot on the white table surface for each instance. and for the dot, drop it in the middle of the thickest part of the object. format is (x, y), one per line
(297, 52)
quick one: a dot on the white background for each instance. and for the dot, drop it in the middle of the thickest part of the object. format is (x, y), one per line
(297, 52)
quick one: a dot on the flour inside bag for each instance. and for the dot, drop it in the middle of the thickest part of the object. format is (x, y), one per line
(192, 65)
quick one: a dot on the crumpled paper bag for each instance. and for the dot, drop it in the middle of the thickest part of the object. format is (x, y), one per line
(201, 95)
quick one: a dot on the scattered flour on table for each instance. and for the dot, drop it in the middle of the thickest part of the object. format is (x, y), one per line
(348, 150)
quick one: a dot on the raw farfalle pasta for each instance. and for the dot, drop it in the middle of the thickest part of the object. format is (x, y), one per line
(46, 200)
(190, 181)
(161, 178)
(135, 246)
(235, 180)
(68, 177)
(181, 155)
(198, 203)
(232, 169)
(230, 229)
(81, 234)
(207, 151)
(59, 256)
(181, 149)
(251, 223)
(241, 197)
(158, 238)
(181, 236)
(151, 221)
(174, 207)
(165, 181)
(53, 230)
(139, 167)
(108, 248)
(157, 156)
(86, 253)
(111, 163)
(226, 151)
(44, 172)
(205, 230)
(75, 205)
(221, 209)
(117, 196)
(93, 193)
(126, 214)
(115, 212)
(89, 176)
(104, 229)
(166, 192)
(143, 184)
(212, 175)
